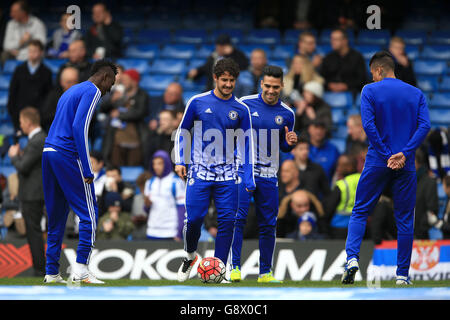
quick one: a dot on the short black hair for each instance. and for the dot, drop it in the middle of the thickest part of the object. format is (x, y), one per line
(226, 65)
(100, 65)
(273, 71)
(344, 33)
(96, 155)
(303, 138)
(24, 6)
(37, 43)
(112, 167)
(382, 59)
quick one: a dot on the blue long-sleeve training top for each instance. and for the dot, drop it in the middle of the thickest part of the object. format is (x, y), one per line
(395, 118)
(208, 136)
(269, 122)
(69, 130)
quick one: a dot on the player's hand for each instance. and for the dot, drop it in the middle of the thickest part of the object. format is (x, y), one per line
(88, 180)
(397, 161)
(291, 136)
(180, 171)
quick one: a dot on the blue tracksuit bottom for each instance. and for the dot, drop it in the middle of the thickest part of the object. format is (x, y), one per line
(371, 184)
(64, 187)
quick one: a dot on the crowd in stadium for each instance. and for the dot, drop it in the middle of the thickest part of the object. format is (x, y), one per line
(325, 69)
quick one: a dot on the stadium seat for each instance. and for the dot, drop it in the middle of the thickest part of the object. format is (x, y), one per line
(236, 21)
(367, 50)
(429, 67)
(5, 79)
(195, 63)
(266, 36)
(380, 37)
(178, 51)
(282, 51)
(130, 174)
(412, 37)
(190, 85)
(204, 51)
(440, 116)
(338, 116)
(192, 22)
(156, 82)
(412, 51)
(3, 97)
(445, 84)
(141, 65)
(439, 37)
(153, 36)
(339, 143)
(279, 63)
(10, 66)
(338, 99)
(6, 129)
(340, 131)
(248, 48)
(168, 66)
(428, 83)
(440, 100)
(291, 36)
(142, 51)
(193, 36)
(436, 52)
(189, 94)
(236, 35)
(54, 64)
(323, 49)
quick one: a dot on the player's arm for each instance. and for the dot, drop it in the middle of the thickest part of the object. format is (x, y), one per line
(80, 129)
(368, 122)
(423, 126)
(181, 147)
(249, 150)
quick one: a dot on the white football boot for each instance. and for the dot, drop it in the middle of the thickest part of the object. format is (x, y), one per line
(403, 281)
(50, 278)
(87, 278)
(185, 269)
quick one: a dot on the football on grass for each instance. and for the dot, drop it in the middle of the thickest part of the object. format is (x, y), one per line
(211, 270)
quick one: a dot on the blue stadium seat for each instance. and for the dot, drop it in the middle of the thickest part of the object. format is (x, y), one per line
(156, 82)
(248, 48)
(178, 51)
(429, 67)
(380, 37)
(338, 99)
(445, 84)
(412, 37)
(323, 49)
(190, 85)
(440, 100)
(130, 174)
(412, 51)
(6, 129)
(54, 64)
(428, 83)
(440, 116)
(189, 94)
(153, 36)
(340, 131)
(204, 51)
(141, 65)
(3, 97)
(282, 51)
(7, 170)
(439, 37)
(325, 34)
(338, 116)
(169, 66)
(236, 21)
(192, 22)
(436, 52)
(367, 50)
(194, 36)
(339, 143)
(195, 63)
(279, 63)
(142, 51)
(266, 36)
(236, 35)
(10, 66)
(5, 79)
(291, 36)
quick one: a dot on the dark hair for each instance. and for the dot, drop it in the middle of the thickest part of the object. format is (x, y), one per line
(446, 181)
(111, 167)
(172, 113)
(36, 43)
(226, 65)
(24, 6)
(303, 138)
(96, 155)
(101, 65)
(420, 157)
(383, 59)
(342, 31)
(273, 71)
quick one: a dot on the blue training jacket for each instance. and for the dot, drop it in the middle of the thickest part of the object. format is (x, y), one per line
(69, 130)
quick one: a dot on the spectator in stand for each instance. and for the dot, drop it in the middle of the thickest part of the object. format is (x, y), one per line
(289, 178)
(252, 82)
(12, 217)
(104, 37)
(28, 163)
(115, 224)
(62, 38)
(115, 183)
(30, 83)
(444, 223)
(224, 49)
(164, 200)
(139, 215)
(344, 68)
(312, 176)
(306, 46)
(312, 107)
(293, 207)
(427, 200)
(306, 228)
(322, 151)
(20, 30)
(161, 138)
(78, 60)
(356, 143)
(339, 204)
(172, 100)
(123, 144)
(300, 72)
(98, 168)
(403, 66)
(3, 23)
(69, 77)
